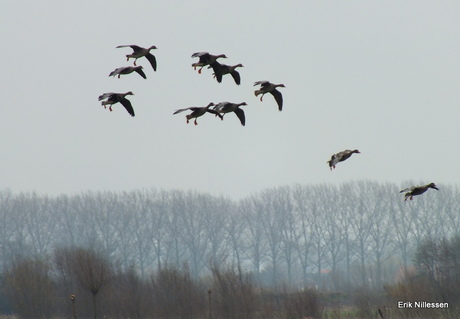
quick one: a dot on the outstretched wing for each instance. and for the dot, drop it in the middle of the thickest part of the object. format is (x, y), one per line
(217, 67)
(333, 161)
(152, 61)
(104, 96)
(260, 83)
(408, 189)
(132, 46)
(219, 107)
(115, 72)
(236, 77)
(127, 104)
(279, 98)
(199, 54)
(140, 72)
(240, 113)
(181, 110)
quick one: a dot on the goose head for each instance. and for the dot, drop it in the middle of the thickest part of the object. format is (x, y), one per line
(433, 185)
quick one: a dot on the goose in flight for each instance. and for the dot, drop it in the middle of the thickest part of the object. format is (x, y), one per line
(139, 52)
(128, 70)
(227, 107)
(340, 157)
(208, 59)
(112, 98)
(267, 87)
(198, 111)
(231, 69)
(417, 190)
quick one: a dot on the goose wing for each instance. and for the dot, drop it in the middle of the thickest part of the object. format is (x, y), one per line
(260, 83)
(132, 46)
(279, 98)
(236, 77)
(199, 54)
(127, 104)
(333, 161)
(408, 189)
(240, 113)
(182, 110)
(152, 60)
(104, 96)
(217, 67)
(219, 107)
(116, 71)
(140, 72)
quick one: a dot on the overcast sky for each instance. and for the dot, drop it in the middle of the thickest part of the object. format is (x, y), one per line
(379, 76)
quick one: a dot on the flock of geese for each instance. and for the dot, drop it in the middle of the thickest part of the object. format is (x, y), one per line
(220, 109)
(204, 59)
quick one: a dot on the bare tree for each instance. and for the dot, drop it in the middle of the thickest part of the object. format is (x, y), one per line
(174, 252)
(362, 219)
(177, 295)
(218, 213)
(329, 208)
(288, 224)
(93, 272)
(7, 228)
(302, 198)
(234, 296)
(193, 216)
(30, 288)
(235, 228)
(255, 244)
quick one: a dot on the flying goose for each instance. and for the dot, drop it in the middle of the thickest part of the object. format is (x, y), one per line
(417, 190)
(139, 52)
(267, 87)
(112, 98)
(340, 157)
(198, 111)
(231, 69)
(128, 70)
(208, 59)
(227, 107)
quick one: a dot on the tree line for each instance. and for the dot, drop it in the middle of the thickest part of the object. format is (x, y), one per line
(356, 233)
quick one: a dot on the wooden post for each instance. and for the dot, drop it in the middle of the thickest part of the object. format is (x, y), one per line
(209, 301)
(74, 310)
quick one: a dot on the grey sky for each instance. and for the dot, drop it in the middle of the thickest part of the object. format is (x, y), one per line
(382, 77)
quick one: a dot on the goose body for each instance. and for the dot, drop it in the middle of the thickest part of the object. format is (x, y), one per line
(113, 98)
(267, 87)
(208, 59)
(227, 107)
(340, 157)
(128, 70)
(139, 52)
(198, 111)
(417, 190)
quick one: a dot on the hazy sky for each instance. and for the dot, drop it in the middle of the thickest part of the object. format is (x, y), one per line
(379, 76)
